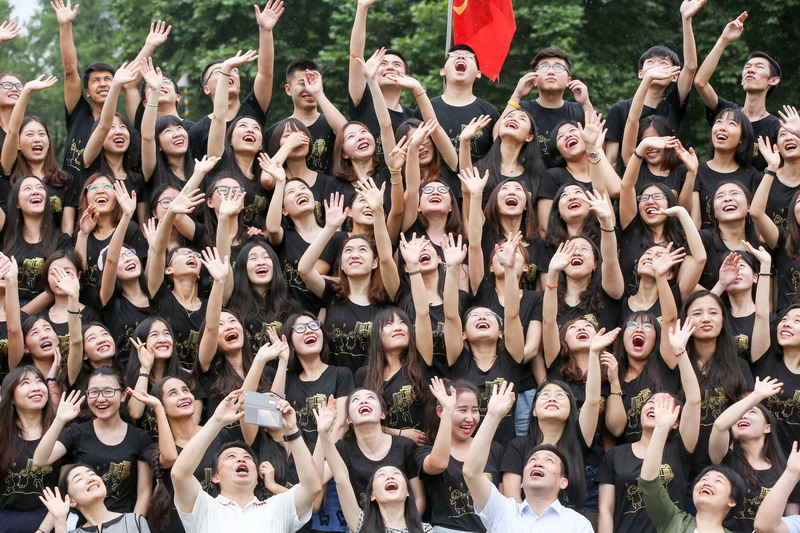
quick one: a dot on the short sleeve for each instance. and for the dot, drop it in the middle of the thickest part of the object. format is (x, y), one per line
(792, 522)
(344, 382)
(200, 509)
(615, 122)
(606, 473)
(512, 458)
(69, 437)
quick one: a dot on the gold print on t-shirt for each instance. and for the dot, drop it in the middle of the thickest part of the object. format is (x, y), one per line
(711, 406)
(75, 156)
(55, 204)
(779, 219)
(635, 411)
(187, 349)
(592, 318)
(400, 410)
(353, 343)
(262, 337)
(742, 341)
(483, 401)
(3, 347)
(258, 205)
(29, 480)
(785, 410)
(63, 344)
(795, 277)
(544, 145)
(293, 280)
(305, 416)
(634, 493)
(461, 501)
(318, 151)
(30, 271)
(750, 506)
(117, 473)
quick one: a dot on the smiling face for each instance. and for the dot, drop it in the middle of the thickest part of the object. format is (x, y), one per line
(164, 201)
(648, 413)
(753, 425)
(650, 203)
(297, 199)
(101, 406)
(644, 267)
(516, 125)
(482, 324)
(174, 140)
(260, 269)
(33, 141)
(389, 485)
(359, 144)
(360, 211)
(713, 491)
(166, 93)
(212, 76)
(788, 145)
(570, 143)
(789, 329)
(296, 88)
(726, 132)
(32, 197)
(429, 260)
(310, 341)
(434, 197)
(30, 394)
(129, 266)
(98, 345)
(364, 407)
(511, 199)
(573, 204)
(159, 340)
(177, 398)
(102, 196)
(9, 97)
(41, 341)
(552, 402)
(579, 334)
(395, 334)
(582, 262)
(246, 136)
(639, 340)
(84, 486)
(745, 279)
(235, 468)
(708, 317)
(391, 65)
(118, 138)
(357, 258)
(298, 151)
(69, 268)
(184, 262)
(465, 416)
(730, 203)
(653, 156)
(98, 85)
(460, 67)
(543, 471)
(231, 333)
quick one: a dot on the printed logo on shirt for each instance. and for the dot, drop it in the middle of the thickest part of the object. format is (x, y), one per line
(785, 409)
(353, 343)
(486, 394)
(400, 410)
(55, 204)
(742, 341)
(750, 506)
(29, 480)
(293, 280)
(262, 337)
(318, 151)
(544, 145)
(460, 502)
(634, 493)
(711, 406)
(30, 271)
(254, 209)
(187, 349)
(592, 318)
(74, 158)
(4, 347)
(63, 344)
(305, 416)
(115, 476)
(780, 219)
(635, 411)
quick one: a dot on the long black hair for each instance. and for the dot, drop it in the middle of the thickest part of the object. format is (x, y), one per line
(141, 332)
(590, 301)
(246, 301)
(373, 519)
(650, 370)
(673, 232)
(13, 438)
(294, 365)
(163, 174)
(744, 151)
(771, 452)
(556, 231)
(14, 241)
(492, 211)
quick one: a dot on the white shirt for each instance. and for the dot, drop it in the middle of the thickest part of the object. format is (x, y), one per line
(278, 514)
(504, 515)
(792, 522)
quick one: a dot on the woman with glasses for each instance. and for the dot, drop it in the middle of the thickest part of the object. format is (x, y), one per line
(30, 237)
(28, 151)
(100, 216)
(111, 446)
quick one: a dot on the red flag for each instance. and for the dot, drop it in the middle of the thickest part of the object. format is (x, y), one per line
(488, 27)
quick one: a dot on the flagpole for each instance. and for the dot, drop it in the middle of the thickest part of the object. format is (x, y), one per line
(449, 34)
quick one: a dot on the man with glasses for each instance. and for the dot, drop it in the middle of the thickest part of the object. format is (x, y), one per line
(256, 103)
(550, 74)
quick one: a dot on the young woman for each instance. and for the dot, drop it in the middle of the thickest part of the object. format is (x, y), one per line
(30, 237)
(114, 448)
(85, 492)
(25, 415)
(41, 351)
(619, 495)
(27, 151)
(755, 450)
(717, 491)
(731, 155)
(381, 481)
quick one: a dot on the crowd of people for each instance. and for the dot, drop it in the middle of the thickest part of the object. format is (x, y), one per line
(469, 318)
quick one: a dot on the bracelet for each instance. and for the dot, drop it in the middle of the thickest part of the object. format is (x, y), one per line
(618, 393)
(400, 434)
(768, 274)
(514, 104)
(294, 436)
(414, 273)
(593, 162)
(420, 94)
(48, 380)
(224, 74)
(612, 230)
(394, 170)
(770, 172)
(152, 105)
(637, 155)
(680, 353)
(144, 375)
(592, 154)
(76, 313)
(551, 287)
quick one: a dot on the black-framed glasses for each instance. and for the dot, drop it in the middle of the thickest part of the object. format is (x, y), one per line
(217, 71)
(165, 203)
(130, 252)
(547, 67)
(223, 190)
(644, 326)
(430, 189)
(656, 196)
(108, 392)
(8, 85)
(314, 325)
(99, 186)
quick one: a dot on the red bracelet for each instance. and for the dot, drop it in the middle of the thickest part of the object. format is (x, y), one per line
(420, 94)
(549, 287)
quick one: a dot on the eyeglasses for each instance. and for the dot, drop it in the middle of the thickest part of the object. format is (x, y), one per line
(430, 189)
(165, 203)
(99, 186)
(314, 325)
(129, 253)
(656, 196)
(184, 251)
(485, 314)
(461, 53)
(547, 67)
(558, 395)
(217, 71)
(8, 85)
(106, 393)
(644, 326)
(223, 190)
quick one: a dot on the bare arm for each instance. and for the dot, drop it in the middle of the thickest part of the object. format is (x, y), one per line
(439, 458)
(9, 154)
(688, 9)
(612, 280)
(144, 487)
(109, 278)
(65, 16)
(733, 30)
(760, 340)
(356, 82)
(216, 131)
(453, 340)
(219, 268)
(267, 19)
(275, 209)
(334, 217)
(758, 208)
(153, 78)
(16, 342)
(666, 415)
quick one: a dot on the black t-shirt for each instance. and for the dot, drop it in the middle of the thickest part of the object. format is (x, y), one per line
(451, 504)
(31, 262)
(546, 119)
(198, 135)
(534, 249)
(530, 306)
(402, 454)
(3, 350)
(256, 326)
(65, 195)
(716, 252)
(785, 405)
(787, 269)
(305, 396)
(606, 316)
(350, 327)
(674, 180)
(186, 325)
(364, 112)
(554, 178)
(453, 119)
(405, 407)
(765, 127)
(80, 124)
(621, 467)
(669, 107)
(23, 482)
(637, 391)
(708, 180)
(90, 281)
(206, 382)
(116, 464)
(122, 318)
(137, 120)
(503, 369)
(88, 315)
(778, 202)
(320, 155)
(626, 311)
(348, 190)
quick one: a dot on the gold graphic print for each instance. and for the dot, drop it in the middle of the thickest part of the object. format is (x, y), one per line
(750, 505)
(400, 411)
(30, 271)
(55, 204)
(261, 338)
(29, 480)
(293, 280)
(187, 349)
(75, 157)
(255, 208)
(742, 341)
(785, 408)
(305, 416)
(483, 401)
(634, 494)
(353, 343)
(115, 476)
(711, 406)
(635, 410)
(318, 151)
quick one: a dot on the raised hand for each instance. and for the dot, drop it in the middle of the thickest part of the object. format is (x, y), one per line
(9, 269)
(475, 125)
(446, 397)
(152, 75)
(687, 157)
(69, 407)
(334, 211)
(406, 82)
(369, 68)
(58, 508)
(185, 202)
(472, 181)
(325, 414)
(218, 268)
(67, 282)
(562, 257)
(55, 367)
(205, 165)
(313, 83)
(502, 400)
(41, 83)
(790, 120)
(793, 461)
(525, 85)
(411, 250)
(656, 143)
(666, 412)
(65, 14)
(763, 256)
(283, 353)
(507, 253)
(372, 194)
(288, 417)
(146, 357)
(602, 340)
(150, 231)
(397, 157)
(272, 167)
(230, 410)
(733, 30)
(150, 401)
(240, 59)
(600, 205)
(764, 388)
(268, 18)
(272, 350)
(9, 30)
(662, 264)
(267, 473)
(592, 130)
(126, 201)
(579, 91)
(423, 132)
(159, 31)
(232, 203)
(609, 363)
(679, 335)
(454, 250)
(127, 73)
(769, 152)
(689, 8)
(663, 73)
(729, 270)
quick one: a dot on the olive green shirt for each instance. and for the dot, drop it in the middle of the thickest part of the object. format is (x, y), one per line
(666, 516)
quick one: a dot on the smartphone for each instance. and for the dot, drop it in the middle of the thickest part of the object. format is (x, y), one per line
(262, 410)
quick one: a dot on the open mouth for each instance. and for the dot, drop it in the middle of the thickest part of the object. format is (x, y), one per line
(467, 428)
(104, 347)
(364, 145)
(36, 396)
(638, 340)
(789, 146)
(576, 261)
(302, 199)
(119, 141)
(262, 271)
(130, 267)
(582, 336)
(392, 486)
(423, 154)
(367, 213)
(512, 201)
(192, 262)
(242, 469)
(37, 148)
(163, 346)
(180, 141)
(729, 208)
(574, 204)
(365, 409)
(101, 199)
(512, 124)
(572, 142)
(101, 407)
(743, 423)
(231, 336)
(92, 485)
(434, 199)
(785, 333)
(721, 137)
(249, 138)
(310, 339)
(46, 345)
(652, 154)
(651, 211)
(483, 324)
(706, 490)
(425, 258)
(183, 404)
(36, 199)
(461, 66)
(537, 472)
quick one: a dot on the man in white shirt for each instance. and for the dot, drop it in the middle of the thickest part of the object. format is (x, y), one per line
(236, 472)
(543, 477)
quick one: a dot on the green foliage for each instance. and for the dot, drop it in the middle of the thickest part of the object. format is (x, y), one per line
(605, 38)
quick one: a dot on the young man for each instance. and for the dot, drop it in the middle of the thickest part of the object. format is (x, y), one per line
(96, 80)
(550, 73)
(304, 86)
(769, 518)
(459, 105)
(760, 76)
(673, 105)
(543, 478)
(392, 65)
(236, 472)
(256, 103)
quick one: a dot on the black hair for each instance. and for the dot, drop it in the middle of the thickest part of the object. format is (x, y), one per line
(552, 51)
(659, 51)
(127, 157)
(173, 367)
(744, 151)
(663, 129)
(162, 173)
(552, 144)
(166, 76)
(466, 48)
(203, 75)
(590, 301)
(738, 487)
(291, 123)
(373, 519)
(771, 452)
(557, 232)
(393, 52)
(301, 65)
(233, 444)
(13, 242)
(432, 171)
(774, 67)
(492, 210)
(294, 365)
(673, 231)
(552, 449)
(432, 420)
(98, 66)
(650, 370)
(750, 232)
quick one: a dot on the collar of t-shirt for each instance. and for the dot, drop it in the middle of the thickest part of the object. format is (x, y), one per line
(555, 507)
(227, 502)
